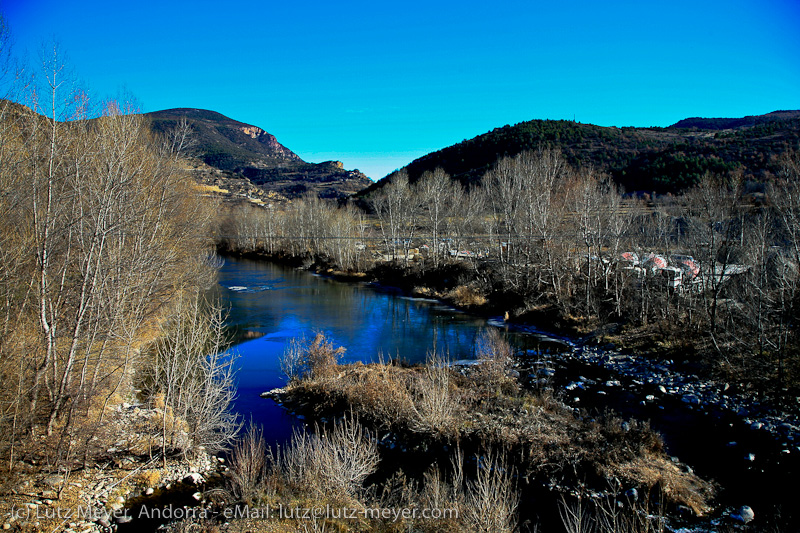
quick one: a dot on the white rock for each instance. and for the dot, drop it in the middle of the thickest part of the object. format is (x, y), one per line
(745, 514)
(197, 496)
(194, 478)
(149, 491)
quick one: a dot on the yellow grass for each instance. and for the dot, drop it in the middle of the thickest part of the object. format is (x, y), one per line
(211, 189)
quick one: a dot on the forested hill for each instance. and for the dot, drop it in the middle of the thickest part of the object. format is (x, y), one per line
(640, 159)
(735, 123)
(250, 159)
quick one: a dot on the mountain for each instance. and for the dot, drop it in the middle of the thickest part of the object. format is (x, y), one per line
(246, 159)
(663, 160)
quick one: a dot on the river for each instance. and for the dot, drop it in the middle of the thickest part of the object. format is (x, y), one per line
(282, 303)
(370, 322)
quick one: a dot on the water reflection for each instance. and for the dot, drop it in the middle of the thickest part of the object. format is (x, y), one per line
(282, 303)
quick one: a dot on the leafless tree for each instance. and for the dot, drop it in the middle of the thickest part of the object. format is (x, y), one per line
(397, 209)
(194, 375)
(435, 191)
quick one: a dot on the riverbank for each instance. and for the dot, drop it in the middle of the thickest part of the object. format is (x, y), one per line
(638, 353)
(420, 415)
(102, 494)
(701, 439)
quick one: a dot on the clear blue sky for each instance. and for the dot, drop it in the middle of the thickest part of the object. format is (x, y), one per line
(377, 84)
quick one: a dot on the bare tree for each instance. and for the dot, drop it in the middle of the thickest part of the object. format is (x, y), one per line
(194, 375)
(435, 190)
(396, 207)
(714, 210)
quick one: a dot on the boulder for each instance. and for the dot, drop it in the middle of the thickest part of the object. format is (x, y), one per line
(744, 515)
(53, 481)
(194, 478)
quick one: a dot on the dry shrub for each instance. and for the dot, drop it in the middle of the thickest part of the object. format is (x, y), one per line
(248, 465)
(620, 513)
(577, 517)
(488, 501)
(466, 296)
(148, 479)
(313, 359)
(331, 462)
(435, 409)
(495, 357)
(422, 291)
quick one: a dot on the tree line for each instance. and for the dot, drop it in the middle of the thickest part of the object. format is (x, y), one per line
(713, 271)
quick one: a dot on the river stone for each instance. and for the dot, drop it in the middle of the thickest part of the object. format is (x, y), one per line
(149, 491)
(124, 519)
(53, 481)
(194, 478)
(745, 514)
(632, 494)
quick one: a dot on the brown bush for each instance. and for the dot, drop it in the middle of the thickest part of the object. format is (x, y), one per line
(466, 296)
(313, 359)
(495, 358)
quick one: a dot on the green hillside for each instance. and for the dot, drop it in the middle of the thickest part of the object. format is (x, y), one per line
(640, 159)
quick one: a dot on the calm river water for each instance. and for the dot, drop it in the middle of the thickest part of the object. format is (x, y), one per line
(283, 303)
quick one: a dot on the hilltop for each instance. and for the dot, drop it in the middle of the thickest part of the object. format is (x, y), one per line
(244, 158)
(661, 160)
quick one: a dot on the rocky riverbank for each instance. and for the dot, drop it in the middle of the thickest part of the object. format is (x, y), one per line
(652, 380)
(98, 498)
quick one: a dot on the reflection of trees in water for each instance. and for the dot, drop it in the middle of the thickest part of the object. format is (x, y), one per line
(366, 321)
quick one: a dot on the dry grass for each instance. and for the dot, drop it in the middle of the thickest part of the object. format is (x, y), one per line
(465, 296)
(434, 405)
(211, 189)
(547, 439)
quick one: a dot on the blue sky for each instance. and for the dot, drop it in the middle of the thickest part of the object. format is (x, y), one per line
(377, 84)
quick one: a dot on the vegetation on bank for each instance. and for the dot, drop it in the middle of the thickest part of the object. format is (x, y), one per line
(470, 446)
(105, 253)
(711, 274)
